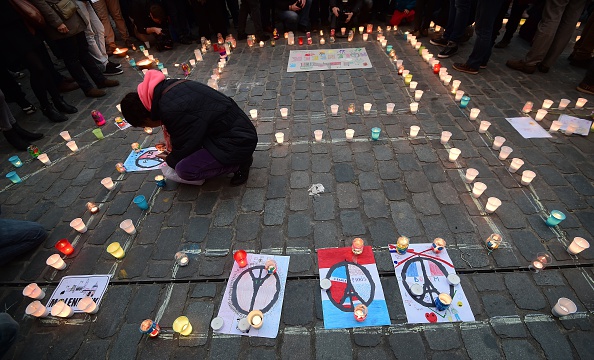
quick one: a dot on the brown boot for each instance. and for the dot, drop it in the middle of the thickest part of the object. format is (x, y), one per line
(95, 93)
(108, 83)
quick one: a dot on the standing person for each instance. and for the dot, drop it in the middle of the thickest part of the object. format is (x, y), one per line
(253, 8)
(177, 10)
(104, 9)
(345, 13)
(294, 14)
(404, 10)
(459, 13)
(554, 32)
(581, 55)
(515, 16)
(587, 84)
(206, 133)
(211, 17)
(423, 15)
(18, 237)
(16, 136)
(486, 13)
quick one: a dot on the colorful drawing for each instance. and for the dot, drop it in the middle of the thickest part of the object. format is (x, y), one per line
(143, 160)
(355, 281)
(254, 288)
(422, 276)
(308, 60)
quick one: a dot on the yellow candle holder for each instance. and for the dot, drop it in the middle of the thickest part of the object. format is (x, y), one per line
(115, 249)
(182, 326)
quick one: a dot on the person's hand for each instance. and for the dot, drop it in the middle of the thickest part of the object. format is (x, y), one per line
(154, 30)
(406, 11)
(63, 28)
(300, 3)
(335, 11)
(162, 156)
(349, 16)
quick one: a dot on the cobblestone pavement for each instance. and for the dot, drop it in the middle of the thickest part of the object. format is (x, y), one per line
(374, 190)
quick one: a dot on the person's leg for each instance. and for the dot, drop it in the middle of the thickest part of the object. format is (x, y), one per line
(100, 7)
(515, 16)
(256, 14)
(583, 48)
(72, 62)
(420, 11)
(551, 17)
(460, 19)
(365, 15)
(314, 14)
(233, 6)
(113, 6)
(304, 14)
(177, 13)
(498, 24)
(244, 10)
(86, 60)
(202, 165)
(13, 90)
(486, 13)
(86, 9)
(8, 332)
(449, 28)
(19, 237)
(587, 83)
(289, 19)
(6, 118)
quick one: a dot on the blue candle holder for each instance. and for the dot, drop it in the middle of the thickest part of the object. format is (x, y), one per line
(389, 48)
(555, 218)
(15, 161)
(375, 133)
(14, 177)
(160, 66)
(141, 48)
(160, 179)
(464, 101)
(132, 62)
(140, 200)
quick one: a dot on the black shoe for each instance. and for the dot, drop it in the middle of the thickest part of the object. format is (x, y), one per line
(113, 65)
(62, 106)
(263, 37)
(585, 88)
(111, 71)
(449, 50)
(26, 134)
(51, 113)
(502, 44)
(463, 67)
(241, 176)
(440, 41)
(15, 140)
(543, 68)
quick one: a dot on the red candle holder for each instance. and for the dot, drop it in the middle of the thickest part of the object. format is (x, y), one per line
(240, 257)
(64, 247)
(436, 68)
(300, 40)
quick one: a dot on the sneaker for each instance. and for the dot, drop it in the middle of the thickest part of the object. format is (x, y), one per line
(95, 93)
(440, 41)
(520, 65)
(449, 50)
(502, 44)
(111, 64)
(111, 71)
(463, 67)
(585, 88)
(108, 83)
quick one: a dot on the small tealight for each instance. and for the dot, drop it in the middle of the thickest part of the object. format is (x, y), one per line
(56, 262)
(357, 246)
(280, 137)
(390, 108)
(254, 114)
(547, 104)
(334, 109)
(60, 309)
(474, 112)
(445, 137)
(413, 85)
(108, 183)
(471, 174)
(497, 142)
(414, 131)
(459, 94)
(217, 323)
(418, 95)
(527, 177)
(580, 103)
(516, 163)
(478, 188)
(92, 207)
(416, 289)
(65, 135)
(318, 135)
(493, 204)
(454, 153)
(37, 309)
(79, 225)
(555, 126)
(44, 159)
(243, 325)
(181, 258)
(367, 108)
(33, 291)
(325, 284)
(148, 130)
(414, 107)
(484, 126)
(540, 114)
(527, 107)
(453, 279)
(504, 152)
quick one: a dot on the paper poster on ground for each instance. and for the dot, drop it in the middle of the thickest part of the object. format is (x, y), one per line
(73, 288)
(583, 126)
(143, 160)
(328, 59)
(355, 281)
(528, 127)
(421, 266)
(252, 288)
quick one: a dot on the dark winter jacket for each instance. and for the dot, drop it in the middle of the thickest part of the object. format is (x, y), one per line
(76, 24)
(197, 116)
(349, 6)
(402, 5)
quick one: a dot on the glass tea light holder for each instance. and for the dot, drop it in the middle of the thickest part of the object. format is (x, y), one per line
(360, 313)
(454, 153)
(357, 246)
(349, 133)
(367, 108)
(284, 112)
(498, 142)
(571, 128)
(160, 180)
(493, 204)
(325, 284)
(445, 137)
(464, 101)
(478, 189)
(527, 107)
(443, 302)
(540, 114)
(217, 323)
(334, 109)
(64, 246)
(527, 177)
(256, 319)
(555, 217)
(414, 107)
(65, 135)
(33, 291)
(564, 307)
(240, 256)
(474, 113)
(504, 152)
(72, 146)
(580, 103)
(37, 309)
(493, 242)
(149, 327)
(414, 131)
(318, 134)
(418, 95)
(438, 245)
(542, 260)
(79, 225)
(15, 161)
(116, 250)
(578, 245)
(56, 262)
(546, 104)
(563, 103)
(44, 159)
(555, 126)
(87, 305)
(375, 133)
(182, 326)
(471, 174)
(128, 226)
(390, 108)
(140, 201)
(60, 309)
(108, 183)
(254, 114)
(280, 137)
(455, 86)
(14, 177)
(402, 245)
(459, 94)
(413, 85)
(270, 266)
(484, 126)
(181, 258)
(351, 108)
(516, 163)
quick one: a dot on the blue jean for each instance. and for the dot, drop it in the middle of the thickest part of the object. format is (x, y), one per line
(291, 18)
(18, 237)
(8, 332)
(457, 19)
(486, 13)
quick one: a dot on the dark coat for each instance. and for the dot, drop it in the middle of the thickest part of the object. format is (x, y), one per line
(75, 24)
(197, 116)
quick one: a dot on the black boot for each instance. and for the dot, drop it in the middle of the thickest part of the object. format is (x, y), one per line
(51, 113)
(241, 175)
(26, 134)
(62, 106)
(15, 140)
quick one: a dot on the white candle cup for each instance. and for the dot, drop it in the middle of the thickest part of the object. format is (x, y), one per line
(527, 177)
(56, 262)
(87, 305)
(478, 189)
(484, 126)
(44, 159)
(128, 226)
(365, 37)
(474, 112)
(459, 94)
(564, 307)
(65, 135)
(334, 109)
(547, 104)
(555, 126)
(390, 108)
(254, 114)
(325, 284)
(145, 52)
(261, 44)
(399, 63)
(580, 103)
(323, 41)
(384, 43)
(516, 163)
(571, 128)
(318, 135)
(492, 204)
(414, 107)
(34, 291)
(540, 114)
(455, 86)
(60, 309)
(284, 112)
(192, 62)
(413, 85)
(79, 225)
(280, 137)
(497, 142)
(108, 183)
(563, 103)
(414, 131)
(578, 245)
(471, 174)
(349, 133)
(454, 154)
(418, 95)
(366, 108)
(527, 107)
(72, 146)
(447, 79)
(37, 309)
(445, 137)
(504, 152)
(165, 71)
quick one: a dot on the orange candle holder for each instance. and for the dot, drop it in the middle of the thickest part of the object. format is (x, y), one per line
(240, 257)
(65, 247)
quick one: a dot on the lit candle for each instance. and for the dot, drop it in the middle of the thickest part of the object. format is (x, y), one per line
(402, 245)
(135, 146)
(447, 79)
(445, 137)
(182, 326)
(455, 86)
(33, 291)
(65, 135)
(418, 95)
(555, 218)
(64, 246)
(318, 135)
(541, 261)
(578, 245)
(413, 86)
(322, 41)
(564, 307)
(414, 107)
(474, 112)
(443, 302)
(365, 37)
(108, 183)
(454, 153)
(555, 126)
(240, 257)
(527, 177)
(367, 108)
(497, 142)
(390, 108)
(343, 31)
(116, 250)
(262, 44)
(56, 262)
(36, 309)
(334, 109)
(160, 180)
(459, 94)
(44, 159)
(243, 325)
(414, 131)
(436, 67)
(87, 305)
(254, 114)
(471, 174)
(72, 146)
(181, 258)
(360, 312)
(60, 309)
(516, 163)
(150, 327)
(438, 245)
(351, 109)
(504, 152)
(128, 226)
(478, 188)
(165, 71)
(571, 128)
(280, 137)
(547, 104)
(369, 28)
(484, 126)
(361, 28)
(580, 103)
(79, 225)
(92, 207)
(527, 107)
(492, 204)
(563, 103)
(493, 242)
(270, 266)
(357, 246)
(407, 79)
(540, 114)
(148, 130)
(256, 319)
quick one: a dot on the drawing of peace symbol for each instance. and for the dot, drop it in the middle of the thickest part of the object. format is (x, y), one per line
(436, 268)
(253, 289)
(351, 283)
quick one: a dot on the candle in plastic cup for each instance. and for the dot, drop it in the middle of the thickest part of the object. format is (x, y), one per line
(56, 262)
(515, 165)
(65, 135)
(555, 126)
(414, 131)
(478, 188)
(15, 161)
(390, 108)
(555, 218)
(418, 95)
(108, 183)
(98, 134)
(165, 71)
(571, 128)
(580, 103)
(447, 79)
(254, 114)
(408, 79)
(64, 246)
(349, 133)
(459, 94)
(564, 307)
(471, 174)
(280, 137)
(455, 86)
(14, 177)
(484, 126)
(79, 225)
(182, 326)
(72, 146)
(192, 62)
(547, 104)
(375, 133)
(87, 305)
(318, 135)
(141, 202)
(365, 37)
(116, 250)
(414, 107)
(474, 112)
(334, 109)
(367, 108)
(256, 319)
(128, 226)
(527, 177)
(44, 159)
(563, 103)
(399, 63)
(540, 114)
(527, 107)
(445, 137)
(284, 112)
(464, 101)
(413, 85)
(504, 152)
(36, 309)
(454, 153)
(497, 142)
(34, 291)
(492, 204)
(578, 245)
(60, 309)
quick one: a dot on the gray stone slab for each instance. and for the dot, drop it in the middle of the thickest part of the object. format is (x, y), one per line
(551, 340)
(351, 223)
(333, 345)
(480, 342)
(404, 218)
(293, 347)
(442, 338)
(519, 349)
(107, 326)
(525, 294)
(407, 345)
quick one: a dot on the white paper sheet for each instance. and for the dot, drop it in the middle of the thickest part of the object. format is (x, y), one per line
(583, 126)
(328, 59)
(73, 288)
(528, 127)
